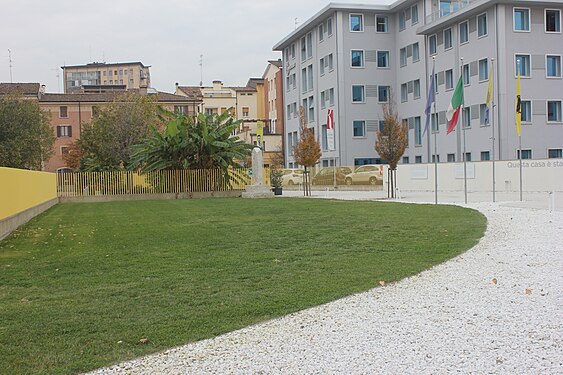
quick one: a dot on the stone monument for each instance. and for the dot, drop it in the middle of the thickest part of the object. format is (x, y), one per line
(257, 189)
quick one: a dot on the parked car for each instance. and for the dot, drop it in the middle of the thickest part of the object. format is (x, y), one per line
(292, 177)
(325, 176)
(366, 174)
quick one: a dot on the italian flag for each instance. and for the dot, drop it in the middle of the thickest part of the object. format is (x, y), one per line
(455, 106)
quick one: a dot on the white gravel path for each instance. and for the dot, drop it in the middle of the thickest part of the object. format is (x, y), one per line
(449, 319)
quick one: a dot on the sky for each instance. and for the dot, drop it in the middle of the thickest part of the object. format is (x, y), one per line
(235, 37)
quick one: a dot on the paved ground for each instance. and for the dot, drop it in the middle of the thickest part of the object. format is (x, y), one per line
(496, 309)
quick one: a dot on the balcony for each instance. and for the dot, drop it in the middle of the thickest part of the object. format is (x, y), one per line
(446, 8)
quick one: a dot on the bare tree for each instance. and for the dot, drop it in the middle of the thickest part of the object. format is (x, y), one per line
(391, 142)
(307, 151)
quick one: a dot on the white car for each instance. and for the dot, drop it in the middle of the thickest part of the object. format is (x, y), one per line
(292, 177)
(366, 174)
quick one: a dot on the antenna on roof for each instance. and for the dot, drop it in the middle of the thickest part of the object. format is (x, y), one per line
(58, 79)
(296, 22)
(201, 70)
(10, 60)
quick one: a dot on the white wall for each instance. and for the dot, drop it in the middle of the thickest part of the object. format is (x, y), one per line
(543, 175)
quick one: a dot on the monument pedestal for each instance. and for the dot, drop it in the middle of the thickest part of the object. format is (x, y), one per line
(257, 189)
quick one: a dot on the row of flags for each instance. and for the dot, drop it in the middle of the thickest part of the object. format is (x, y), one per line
(456, 103)
(453, 111)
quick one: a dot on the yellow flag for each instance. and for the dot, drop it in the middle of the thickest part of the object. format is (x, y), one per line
(489, 99)
(259, 133)
(518, 106)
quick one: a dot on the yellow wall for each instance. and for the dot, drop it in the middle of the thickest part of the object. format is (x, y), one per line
(22, 189)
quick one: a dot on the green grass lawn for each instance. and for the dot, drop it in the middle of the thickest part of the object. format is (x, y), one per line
(83, 282)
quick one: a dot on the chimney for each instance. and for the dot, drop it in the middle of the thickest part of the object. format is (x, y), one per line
(217, 85)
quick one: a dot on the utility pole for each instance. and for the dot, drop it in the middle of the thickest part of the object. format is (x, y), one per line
(201, 70)
(10, 60)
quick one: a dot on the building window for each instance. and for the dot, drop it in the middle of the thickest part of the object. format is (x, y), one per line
(322, 66)
(451, 158)
(435, 158)
(417, 131)
(356, 22)
(416, 88)
(434, 123)
(383, 94)
(418, 159)
(483, 70)
(552, 21)
(304, 80)
(324, 138)
(522, 61)
(357, 58)
(432, 44)
(403, 56)
(402, 23)
(329, 26)
(464, 32)
(321, 32)
(357, 93)
(381, 24)
(554, 110)
(466, 117)
(526, 107)
(483, 113)
(309, 45)
(331, 97)
(465, 74)
(381, 126)
(323, 99)
(555, 153)
(180, 109)
(359, 128)
(468, 156)
(63, 111)
(245, 111)
(526, 154)
(405, 159)
(330, 63)
(485, 155)
(65, 150)
(449, 79)
(448, 41)
(383, 59)
(311, 112)
(404, 93)
(414, 14)
(415, 52)
(64, 131)
(521, 19)
(553, 66)
(289, 112)
(303, 49)
(482, 28)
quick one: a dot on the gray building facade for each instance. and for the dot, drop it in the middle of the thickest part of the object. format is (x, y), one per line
(351, 58)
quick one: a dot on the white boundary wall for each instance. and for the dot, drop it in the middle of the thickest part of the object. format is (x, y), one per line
(544, 175)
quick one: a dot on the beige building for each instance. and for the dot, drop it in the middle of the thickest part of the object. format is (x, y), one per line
(92, 76)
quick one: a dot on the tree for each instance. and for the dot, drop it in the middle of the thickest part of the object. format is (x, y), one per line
(307, 151)
(108, 139)
(392, 141)
(26, 137)
(73, 156)
(191, 142)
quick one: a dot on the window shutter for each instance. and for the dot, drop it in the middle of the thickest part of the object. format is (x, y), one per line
(70, 131)
(58, 131)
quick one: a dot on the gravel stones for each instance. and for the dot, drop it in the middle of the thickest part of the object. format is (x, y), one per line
(450, 318)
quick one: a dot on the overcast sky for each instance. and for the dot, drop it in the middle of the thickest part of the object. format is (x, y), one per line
(235, 37)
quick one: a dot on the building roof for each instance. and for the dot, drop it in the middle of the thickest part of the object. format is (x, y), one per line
(102, 64)
(277, 63)
(109, 96)
(193, 92)
(253, 82)
(20, 88)
(332, 7)
(243, 89)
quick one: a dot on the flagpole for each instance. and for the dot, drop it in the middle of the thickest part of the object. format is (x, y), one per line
(464, 153)
(519, 131)
(493, 122)
(435, 141)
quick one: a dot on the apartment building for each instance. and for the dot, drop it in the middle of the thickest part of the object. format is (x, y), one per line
(68, 112)
(89, 77)
(352, 58)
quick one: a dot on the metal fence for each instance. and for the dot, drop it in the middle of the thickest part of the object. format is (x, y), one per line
(159, 182)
